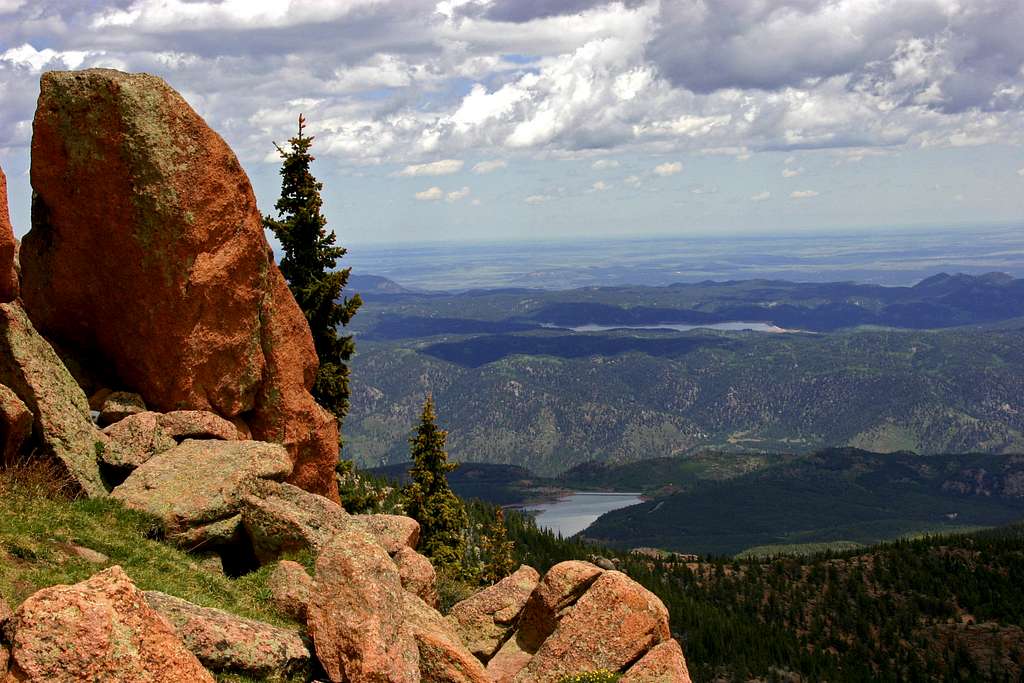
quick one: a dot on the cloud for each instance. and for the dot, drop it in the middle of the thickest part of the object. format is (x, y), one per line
(431, 194)
(456, 195)
(600, 186)
(604, 164)
(399, 82)
(1020, 171)
(791, 172)
(668, 168)
(489, 166)
(761, 196)
(802, 194)
(632, 180)
(443, 167)
(537, 199)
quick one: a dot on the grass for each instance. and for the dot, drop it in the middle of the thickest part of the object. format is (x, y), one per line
(38, 524)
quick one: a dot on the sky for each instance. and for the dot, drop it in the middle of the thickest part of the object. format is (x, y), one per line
(502, 120)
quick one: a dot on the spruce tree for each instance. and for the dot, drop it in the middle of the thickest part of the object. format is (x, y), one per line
(310, 255)
(497, 550)
(430, 501)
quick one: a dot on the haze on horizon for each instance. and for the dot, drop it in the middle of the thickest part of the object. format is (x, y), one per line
(483, 120)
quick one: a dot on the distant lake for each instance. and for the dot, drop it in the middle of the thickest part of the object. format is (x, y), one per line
(575, 512)
(727, 327)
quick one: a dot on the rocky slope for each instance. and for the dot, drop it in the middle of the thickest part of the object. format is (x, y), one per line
(147, 267)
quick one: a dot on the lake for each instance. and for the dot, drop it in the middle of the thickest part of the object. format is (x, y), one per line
(727, 327)
(576, 511)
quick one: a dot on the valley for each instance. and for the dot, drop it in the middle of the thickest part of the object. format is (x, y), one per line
(516, 391)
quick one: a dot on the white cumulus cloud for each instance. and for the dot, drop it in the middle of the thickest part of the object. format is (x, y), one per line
(761, 196)
(802, 194)
(537, 199)
(443, 167)
(791, 172)
(668, 168)
(456, 195)
(431, 194)
(490, 166)
(604, 164)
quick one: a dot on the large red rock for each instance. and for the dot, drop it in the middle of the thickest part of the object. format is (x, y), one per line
(615, 623)
(98, 630)
(663, 664)
(356, 614)
(485, 619)
(442, 656)
(560, 588)
(393, 532)
(147, 255)
(8, 248)
(418, 576)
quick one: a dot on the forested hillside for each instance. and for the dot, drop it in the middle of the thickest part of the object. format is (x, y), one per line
(552, 400)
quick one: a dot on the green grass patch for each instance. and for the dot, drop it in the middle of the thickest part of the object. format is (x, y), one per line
(38, 528)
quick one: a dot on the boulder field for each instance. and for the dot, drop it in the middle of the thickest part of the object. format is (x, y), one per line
(146, 283)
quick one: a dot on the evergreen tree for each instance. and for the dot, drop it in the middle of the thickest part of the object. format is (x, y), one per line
(310, 254)
(497, 550)
(430, 501)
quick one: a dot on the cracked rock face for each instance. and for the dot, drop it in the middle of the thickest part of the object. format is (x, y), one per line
(147, 255)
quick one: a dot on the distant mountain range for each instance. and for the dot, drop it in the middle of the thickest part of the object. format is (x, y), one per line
(512, 392)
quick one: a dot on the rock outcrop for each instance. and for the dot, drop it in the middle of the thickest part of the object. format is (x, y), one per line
(15, 425)
(62, 427)
(442, 657)
(417, 574)
(147, 256)
(282, 518)
(8, 248)
(486, 619)
(560, 588)
(615, 623)
(138, 437)
(119, 405)
(201, 482)
(356, 614)
(393, 532)
(224, 642)
(663, 664)
(98, 630)
(291, 589)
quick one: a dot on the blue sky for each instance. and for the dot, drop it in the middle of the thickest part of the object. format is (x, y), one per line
(531, 119)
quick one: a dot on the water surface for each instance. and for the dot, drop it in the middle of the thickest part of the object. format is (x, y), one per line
(727, 327)
(576, 511)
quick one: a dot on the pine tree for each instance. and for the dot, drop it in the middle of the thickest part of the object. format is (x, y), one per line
(497, 550)
(430, 501)
(310, 254)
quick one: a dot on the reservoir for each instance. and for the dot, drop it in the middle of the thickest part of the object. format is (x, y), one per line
(725, 327)
(575, 512)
